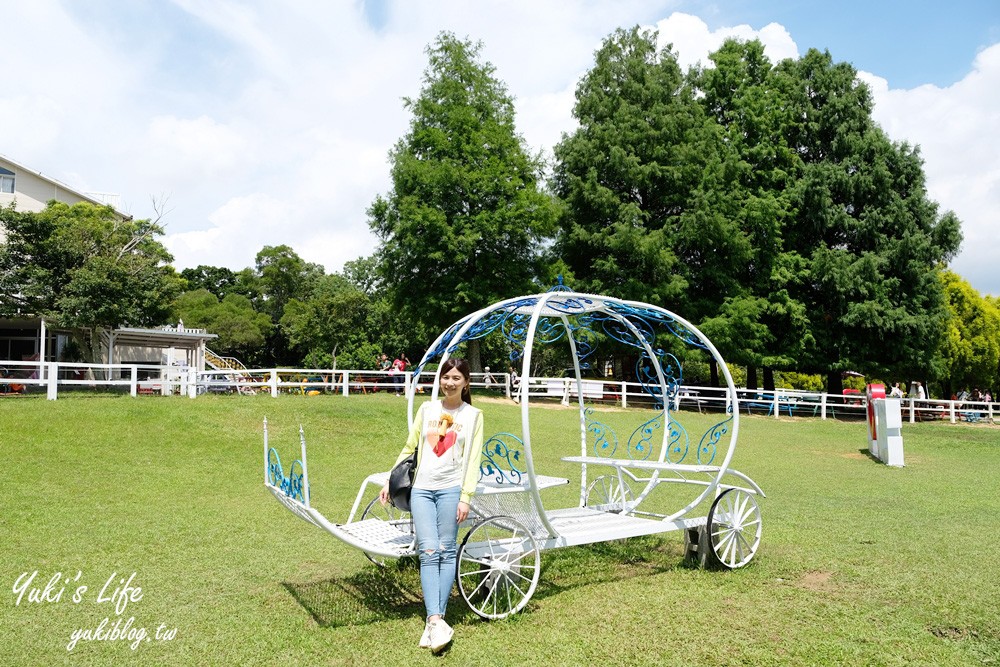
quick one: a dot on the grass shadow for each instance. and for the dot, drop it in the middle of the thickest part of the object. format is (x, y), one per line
(864, 451)
(377, 594)
(371, 595)
(607, 562)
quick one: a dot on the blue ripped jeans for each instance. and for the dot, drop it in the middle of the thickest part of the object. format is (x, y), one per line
(434, 520)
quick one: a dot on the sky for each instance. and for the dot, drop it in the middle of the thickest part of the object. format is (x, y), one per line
(252, 123)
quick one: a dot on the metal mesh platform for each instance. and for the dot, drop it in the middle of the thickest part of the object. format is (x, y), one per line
(381, 535)
(520, 506)
(583, 525)
(514, 501)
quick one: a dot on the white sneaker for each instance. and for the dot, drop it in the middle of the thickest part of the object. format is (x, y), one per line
(441, 634)
(425, 639)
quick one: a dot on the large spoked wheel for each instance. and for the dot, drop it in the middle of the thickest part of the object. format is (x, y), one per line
(398, 518)
(734, 527)
(609, 493)
(498, 567)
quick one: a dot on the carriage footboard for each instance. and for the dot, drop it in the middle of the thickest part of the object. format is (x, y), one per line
(372, 535)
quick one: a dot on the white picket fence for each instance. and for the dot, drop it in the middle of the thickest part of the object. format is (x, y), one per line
(139, 379)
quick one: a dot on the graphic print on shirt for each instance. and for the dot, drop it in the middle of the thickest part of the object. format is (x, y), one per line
(446, 435)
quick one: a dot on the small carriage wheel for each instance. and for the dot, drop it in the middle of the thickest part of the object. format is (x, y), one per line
(498, 567)
(734, 526)
(376, 510)
(606, 491)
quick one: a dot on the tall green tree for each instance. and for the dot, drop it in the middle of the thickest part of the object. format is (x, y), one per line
(870, 240)
(337, 320)
(462, 225)
(630, 173)
(282, 276)
(759, 323)
(85, 267)
(242, 331)
(970, 351)
(222, 281)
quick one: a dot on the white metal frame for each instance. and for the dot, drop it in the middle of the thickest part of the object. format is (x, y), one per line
(581, 524)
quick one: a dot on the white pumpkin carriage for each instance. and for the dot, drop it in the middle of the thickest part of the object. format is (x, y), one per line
(510, 524)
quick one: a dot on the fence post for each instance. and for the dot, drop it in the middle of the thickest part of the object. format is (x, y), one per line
(775, 403)
(912, 415)
(624, 394)
(274, 383)
(192, 383)
(822, 406)
(346, 391)
(134, 381)
(53, 378)
(951, 410)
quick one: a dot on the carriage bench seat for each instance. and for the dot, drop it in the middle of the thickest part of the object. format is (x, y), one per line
(679, 469)
(486, 486)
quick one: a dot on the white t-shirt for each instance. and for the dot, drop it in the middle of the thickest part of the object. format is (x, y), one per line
(446, 435)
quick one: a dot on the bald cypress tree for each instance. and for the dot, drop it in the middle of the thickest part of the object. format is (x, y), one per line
(870, 241)
(462, 225)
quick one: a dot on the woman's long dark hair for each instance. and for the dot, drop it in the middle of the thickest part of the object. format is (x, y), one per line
(463, 367)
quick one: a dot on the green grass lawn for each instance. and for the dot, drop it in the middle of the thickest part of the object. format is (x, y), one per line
(860, 564)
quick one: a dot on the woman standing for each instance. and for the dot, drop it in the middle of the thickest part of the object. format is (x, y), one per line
(449, 433)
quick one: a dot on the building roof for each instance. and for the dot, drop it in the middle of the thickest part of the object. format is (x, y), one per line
(162, 337)
(82, 195)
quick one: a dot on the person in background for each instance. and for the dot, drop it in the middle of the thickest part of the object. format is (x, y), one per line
(399, 369)
(385, 366)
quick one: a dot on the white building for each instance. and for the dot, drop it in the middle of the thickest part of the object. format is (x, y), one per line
(28, 339)
(30, 190)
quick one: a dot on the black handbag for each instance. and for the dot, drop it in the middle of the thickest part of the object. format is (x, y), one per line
(401, 482)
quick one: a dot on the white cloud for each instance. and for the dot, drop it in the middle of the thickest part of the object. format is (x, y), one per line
(693, 41)
(240, 227)
(198, 146)
(958, 131)
(279, 129)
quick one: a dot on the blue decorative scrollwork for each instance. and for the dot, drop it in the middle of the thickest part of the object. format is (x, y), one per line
(640, 443)
(586, 343)
(292, 485)
(569, 305)
(442, 345)
(605, 438)
(635, 315)
(678, 447)
(501, 460)
(515, 329)
(495, 318)
(482, 327)
(645, 371)
(617, 329)
(708, 446)
(559, 286)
